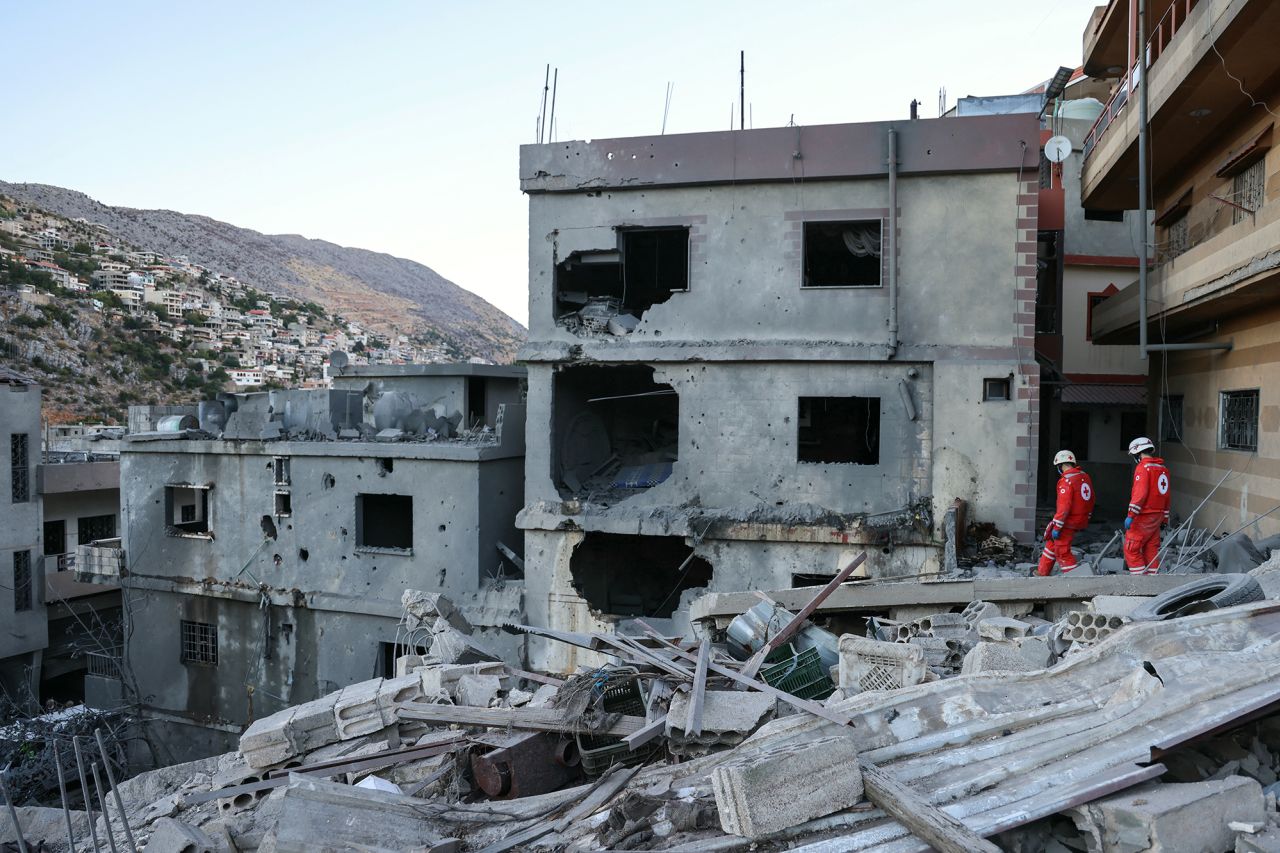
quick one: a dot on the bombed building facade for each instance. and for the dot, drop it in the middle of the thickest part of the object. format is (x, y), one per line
(22, 605)
(267, 541)
(753, 354)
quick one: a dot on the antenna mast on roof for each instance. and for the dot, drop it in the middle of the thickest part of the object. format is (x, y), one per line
(551, 122)
(742, 90)
(542, 113)
(942, 101)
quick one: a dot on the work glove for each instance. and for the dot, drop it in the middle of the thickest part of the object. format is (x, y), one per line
(1127, 523)
(1055, 534)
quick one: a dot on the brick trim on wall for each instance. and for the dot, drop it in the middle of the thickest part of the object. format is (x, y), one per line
(1027, 397)
(794, 236)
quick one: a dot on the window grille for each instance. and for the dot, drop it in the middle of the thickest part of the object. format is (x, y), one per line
(199, 643)
(22, 597)
(1239, 420)
(1246, 191)
(21, 474)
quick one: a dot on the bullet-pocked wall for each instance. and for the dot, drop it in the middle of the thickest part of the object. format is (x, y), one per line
(22, 600)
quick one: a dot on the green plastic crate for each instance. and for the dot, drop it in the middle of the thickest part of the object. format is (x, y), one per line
(800, 675)
(599, 753)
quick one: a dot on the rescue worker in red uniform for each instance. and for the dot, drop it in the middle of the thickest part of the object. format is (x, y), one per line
(1075, 505)
(1148, 509)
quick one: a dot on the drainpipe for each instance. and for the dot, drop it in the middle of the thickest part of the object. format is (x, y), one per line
(893, 242)
(1142, 177)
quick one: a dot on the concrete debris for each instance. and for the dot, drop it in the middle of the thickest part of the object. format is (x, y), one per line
(1003, 713)
(1170, 818)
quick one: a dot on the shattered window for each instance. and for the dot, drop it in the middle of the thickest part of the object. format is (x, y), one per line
(608, 291)
(1247, 191)
(839, 429)
(384, 521)
(1171, 418)
(186, 510)
(842, 254)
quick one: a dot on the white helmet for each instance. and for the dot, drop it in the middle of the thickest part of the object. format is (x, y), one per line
(1064, 457)
(1140, 444)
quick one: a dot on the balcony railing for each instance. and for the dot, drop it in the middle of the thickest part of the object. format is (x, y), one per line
(105, 664)
(1161, 36)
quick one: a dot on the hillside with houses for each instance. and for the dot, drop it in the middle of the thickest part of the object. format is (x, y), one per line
(104, 323)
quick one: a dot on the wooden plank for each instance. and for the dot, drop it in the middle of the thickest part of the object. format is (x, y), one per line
(512, 556)
(925, 820)
(693, 723)
(794, 701)
(536, 676)
(648, 733)
(753, 665)
(535, 719)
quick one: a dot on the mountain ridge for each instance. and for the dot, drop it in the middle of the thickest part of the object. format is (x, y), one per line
(383, 292)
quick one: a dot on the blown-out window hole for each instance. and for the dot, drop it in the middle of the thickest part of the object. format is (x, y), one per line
(615, 428)
(624, 575)
(838, 430)
(646, 268)
(384, 521)
(842, 254)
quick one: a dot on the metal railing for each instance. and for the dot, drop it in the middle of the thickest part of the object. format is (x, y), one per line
(105, 664)
(1161, 37)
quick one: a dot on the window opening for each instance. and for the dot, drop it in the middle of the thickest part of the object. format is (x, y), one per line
(617, 430)
(21, 469)
(608, 291)
(384, 521)
(284, 503)
(476, 402)
(1171, 418)
(1131, 424)
(91, 528)
(22, 586)
(186, 510)
(55, 537)
(839, 430)
(1239, 420)
(624, 575)
(199, 643)
(1177, 236)
(842, 254)
(1073, 433)
(281, 469)
(995, 389)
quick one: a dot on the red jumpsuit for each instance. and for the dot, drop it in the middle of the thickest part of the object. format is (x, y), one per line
(1149, 509)
(1075, 505)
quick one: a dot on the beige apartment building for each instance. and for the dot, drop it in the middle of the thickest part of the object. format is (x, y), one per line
(1212, 308)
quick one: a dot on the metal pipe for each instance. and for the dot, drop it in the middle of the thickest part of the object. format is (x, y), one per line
(86, 794)
(893, 242)
(102, 804)
(115, 791)
(1224, 345)
(62, 792)
(13, 815)
(1142, 177)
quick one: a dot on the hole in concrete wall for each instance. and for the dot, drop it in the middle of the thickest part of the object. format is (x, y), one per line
(839, 429)
(186, 510)
(304, 554)
(327, 481)
(811, 579)
(385, 465)
(384, 521)
(635, 575)
(475, 400)
(649, 265)
(268, 527)
(616, 430)
(842, 254)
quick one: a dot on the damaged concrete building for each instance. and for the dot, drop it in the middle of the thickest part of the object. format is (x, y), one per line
(22, 607)
(267, 539)
(752, 354)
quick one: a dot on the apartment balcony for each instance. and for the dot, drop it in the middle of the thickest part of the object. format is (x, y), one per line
(1232, 272)
(1190, 97)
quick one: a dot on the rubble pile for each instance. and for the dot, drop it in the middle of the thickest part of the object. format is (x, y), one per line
(1118, 725)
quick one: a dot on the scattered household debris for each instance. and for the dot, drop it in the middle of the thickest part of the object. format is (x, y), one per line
(940, 730)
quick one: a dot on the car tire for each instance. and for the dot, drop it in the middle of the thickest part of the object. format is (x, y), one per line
(1217, 591)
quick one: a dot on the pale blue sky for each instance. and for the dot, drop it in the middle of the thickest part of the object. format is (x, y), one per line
(395, 126)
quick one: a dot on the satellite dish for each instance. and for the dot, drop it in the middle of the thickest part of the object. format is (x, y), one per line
(338, 359)
(1057, 149)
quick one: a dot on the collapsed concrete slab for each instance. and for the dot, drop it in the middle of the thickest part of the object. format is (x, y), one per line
(318, 815)
(175, 836)
(1171, 818)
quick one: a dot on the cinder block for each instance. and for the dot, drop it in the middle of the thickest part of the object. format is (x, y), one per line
(441, 678)
(1168, 818)
(1116, 605)
(313, 724)
(478, 691)
(395, 692)
(356, 710)
(764, 792)
(1002, 629)
(266, 732)
(996, 657)
(724, 710)
(945, 625)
